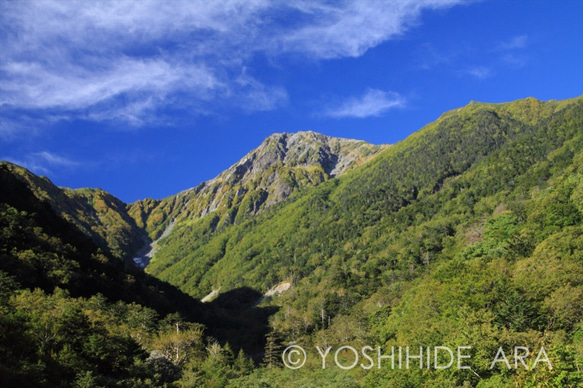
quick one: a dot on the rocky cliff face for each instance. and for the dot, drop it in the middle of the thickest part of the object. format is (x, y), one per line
(305, 149)
(283, 164)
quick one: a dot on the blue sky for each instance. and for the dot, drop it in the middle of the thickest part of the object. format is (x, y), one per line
(147, 98)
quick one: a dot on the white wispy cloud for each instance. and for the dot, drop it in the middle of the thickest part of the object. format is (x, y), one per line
(429, 56)
(349, 29)
(31, 85)
(516, 61)
(43, 162)
(54, 159)
(372, 103)
(514, 43)
(512, 51)
(255, 96)
(123, 60)
(479, 72)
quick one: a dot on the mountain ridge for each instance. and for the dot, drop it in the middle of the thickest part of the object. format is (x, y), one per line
(129, 230)
(281, 165)
(469, 134)
(98, 214)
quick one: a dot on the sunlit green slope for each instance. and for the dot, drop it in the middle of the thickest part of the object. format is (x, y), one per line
(358, 226)
(468, 233)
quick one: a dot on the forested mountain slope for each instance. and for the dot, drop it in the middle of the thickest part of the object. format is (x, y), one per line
(42, 250)
(95, 212)
(464, 157)
(74, 315)
(468, 232)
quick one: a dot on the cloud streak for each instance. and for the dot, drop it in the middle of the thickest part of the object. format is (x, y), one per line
(350, 29)
(125, 60)
(512, 51)
(479, 72)
(373, 103)
(31, 85)
(515, 43)
(43, 162)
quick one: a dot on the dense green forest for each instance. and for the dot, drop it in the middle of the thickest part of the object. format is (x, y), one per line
(469, 233)
(465, 216)
(73, 315)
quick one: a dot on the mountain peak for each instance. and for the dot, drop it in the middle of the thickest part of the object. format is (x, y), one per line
(282, 164)
(304, 149)
(285, 162)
